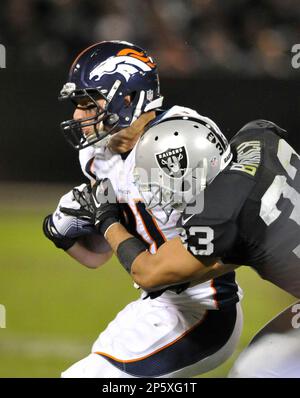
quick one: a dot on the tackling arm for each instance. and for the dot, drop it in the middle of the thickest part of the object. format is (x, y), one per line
(171, 264)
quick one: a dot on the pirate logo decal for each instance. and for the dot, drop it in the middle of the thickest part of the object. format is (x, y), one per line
(173, 162)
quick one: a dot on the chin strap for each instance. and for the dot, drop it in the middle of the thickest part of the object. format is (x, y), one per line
(138, 108)
(157, 103)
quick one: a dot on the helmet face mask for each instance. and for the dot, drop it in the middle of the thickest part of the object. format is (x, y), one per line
(73, 129)
(175, 160)
(112, 71)
(167, 196)
(157, 197)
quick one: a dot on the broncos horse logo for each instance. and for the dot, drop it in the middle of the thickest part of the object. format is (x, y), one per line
(127, 62)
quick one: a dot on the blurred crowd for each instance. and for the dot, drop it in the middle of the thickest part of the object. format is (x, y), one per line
(186, 37)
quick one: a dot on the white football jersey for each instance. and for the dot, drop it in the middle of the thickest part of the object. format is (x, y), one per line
(100, 162)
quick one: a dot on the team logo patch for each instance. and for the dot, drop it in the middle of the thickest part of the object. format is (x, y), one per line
(173, 162)
(149, 95)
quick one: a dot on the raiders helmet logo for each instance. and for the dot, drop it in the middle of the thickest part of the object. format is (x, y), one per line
(173, 162)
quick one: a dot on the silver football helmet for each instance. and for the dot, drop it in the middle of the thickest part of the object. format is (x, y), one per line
(176, 159)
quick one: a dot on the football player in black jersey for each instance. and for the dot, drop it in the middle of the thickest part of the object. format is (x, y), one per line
(245, 214)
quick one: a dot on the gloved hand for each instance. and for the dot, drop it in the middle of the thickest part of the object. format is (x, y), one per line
(63, 229)
(98, 205)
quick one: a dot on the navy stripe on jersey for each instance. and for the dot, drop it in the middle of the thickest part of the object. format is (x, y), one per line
(129, 221)
(226, 290)
(201, 341)
(152, 229)
(88, 168)
(154, 233)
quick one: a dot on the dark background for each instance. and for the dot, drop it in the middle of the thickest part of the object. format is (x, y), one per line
(230, 60)
(34, 149)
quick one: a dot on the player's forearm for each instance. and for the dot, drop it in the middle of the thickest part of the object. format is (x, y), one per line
(86, 257)
(147, 273)
(115, 235)
(171, 265)
(142, 266)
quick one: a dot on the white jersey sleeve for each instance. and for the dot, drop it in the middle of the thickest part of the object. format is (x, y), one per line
(86, 160)
(177, 110)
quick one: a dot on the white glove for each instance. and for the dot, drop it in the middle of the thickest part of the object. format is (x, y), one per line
(71, 226)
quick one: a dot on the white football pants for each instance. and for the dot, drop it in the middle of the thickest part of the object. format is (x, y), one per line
(152, 339)
(275, 350)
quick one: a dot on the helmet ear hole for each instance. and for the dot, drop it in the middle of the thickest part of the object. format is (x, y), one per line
(127, 101)
(186, 186)
(131, 97)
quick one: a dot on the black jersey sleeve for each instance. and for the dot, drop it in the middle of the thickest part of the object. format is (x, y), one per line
(214, 231)
(217, 230)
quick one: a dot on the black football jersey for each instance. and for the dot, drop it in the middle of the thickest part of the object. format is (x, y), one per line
(251, 211)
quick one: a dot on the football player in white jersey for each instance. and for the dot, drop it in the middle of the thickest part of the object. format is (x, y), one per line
(179, 329)
(245, 211)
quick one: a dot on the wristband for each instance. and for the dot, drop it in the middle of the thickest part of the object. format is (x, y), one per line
(62, 242)
(128, 251)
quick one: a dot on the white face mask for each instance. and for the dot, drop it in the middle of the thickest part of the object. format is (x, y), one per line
(185, 194)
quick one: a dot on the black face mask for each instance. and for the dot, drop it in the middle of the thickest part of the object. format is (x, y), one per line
(73, 129)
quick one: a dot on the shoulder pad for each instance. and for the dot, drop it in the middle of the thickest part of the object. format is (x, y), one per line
(247, 154)
(261, 124)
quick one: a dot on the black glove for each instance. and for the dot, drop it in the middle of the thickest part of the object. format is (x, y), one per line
(97, 205)
(60, 241)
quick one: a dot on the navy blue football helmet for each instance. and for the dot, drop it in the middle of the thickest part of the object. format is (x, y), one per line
(110, 70)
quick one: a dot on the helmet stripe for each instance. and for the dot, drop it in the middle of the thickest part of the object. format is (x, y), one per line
(137, 54)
